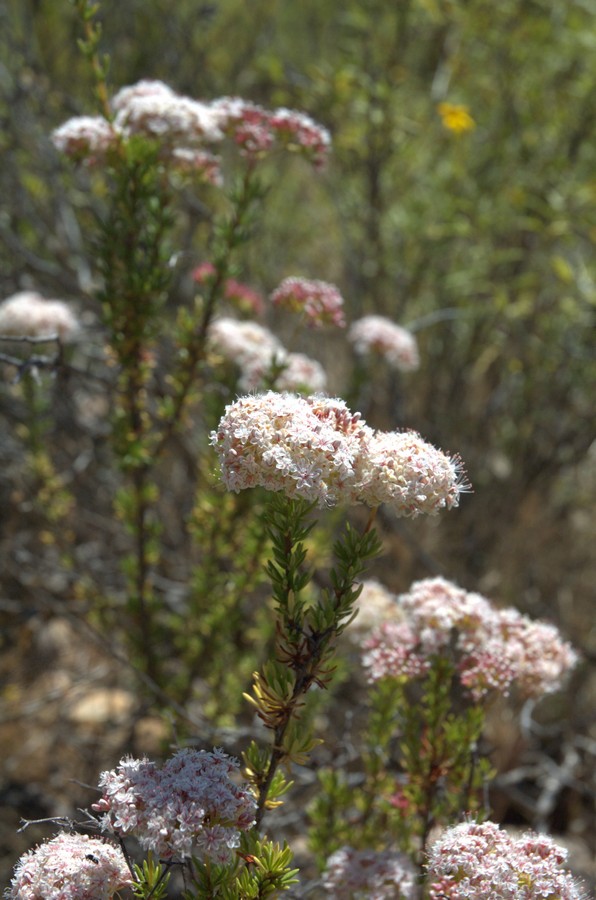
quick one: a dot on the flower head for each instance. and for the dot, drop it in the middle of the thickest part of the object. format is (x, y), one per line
(297, 373)
(200, 163)
(383, 875)
(28, 314)
(245, 298)
(409, 474)
(376, 604)
(70, 867)
(319, 302)
(301, 134)
(381, 336)
(316, 448)
(247, 124)
(256, 131)
(153, 109)
(492, 649)
(85, 138)
(277, 441)
(244, 343)
(479, 861)
(190, 806)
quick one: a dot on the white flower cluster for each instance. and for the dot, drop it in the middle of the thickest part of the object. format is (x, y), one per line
(191, 806)
(376, 604)
(376, 334)
(315, 448)
(183, 126)
(70, 867)
(154, 109)
(479, 861)
(256, 351)
(493, 648)
(375, 875)
(28, 314)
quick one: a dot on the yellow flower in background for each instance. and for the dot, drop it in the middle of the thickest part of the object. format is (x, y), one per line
(456, 118)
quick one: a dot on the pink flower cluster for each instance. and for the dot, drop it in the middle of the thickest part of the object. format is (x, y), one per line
(493, 649)
(28, 314)
(240, 294)
(256, 351)
(183, 127)
(375, 875)
(319, 302)
(256, 130)
(70, 867)
(191, 806)
(316, 448)
(376, 334)
(474, 861)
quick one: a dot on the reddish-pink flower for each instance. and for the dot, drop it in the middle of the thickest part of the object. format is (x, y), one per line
(319, 302)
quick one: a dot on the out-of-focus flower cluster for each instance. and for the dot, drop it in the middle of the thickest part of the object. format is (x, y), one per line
(28, 314)
(318, 301)
(245, 298)
(380, 336)
(493, 648)
(256, 130)
(262, 358)
(375, 875)
(474, 861)
(191, 806)
(376, 604)
(316, 448)
(184, 128)
(70, 867)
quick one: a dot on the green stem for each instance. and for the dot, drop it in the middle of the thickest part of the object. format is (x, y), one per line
(194, 349)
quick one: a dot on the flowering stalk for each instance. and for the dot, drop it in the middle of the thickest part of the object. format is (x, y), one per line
(135, 279)
(443, 776)
(89, 47)
(229, 235)
(305, 638)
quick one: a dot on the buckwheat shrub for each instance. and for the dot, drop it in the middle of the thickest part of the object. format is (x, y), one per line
(381, 336)
(479, 861)
(493, 648)
(320, 303)
(28, 314)
(375, 875)
(191, 806)
(70, 867)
